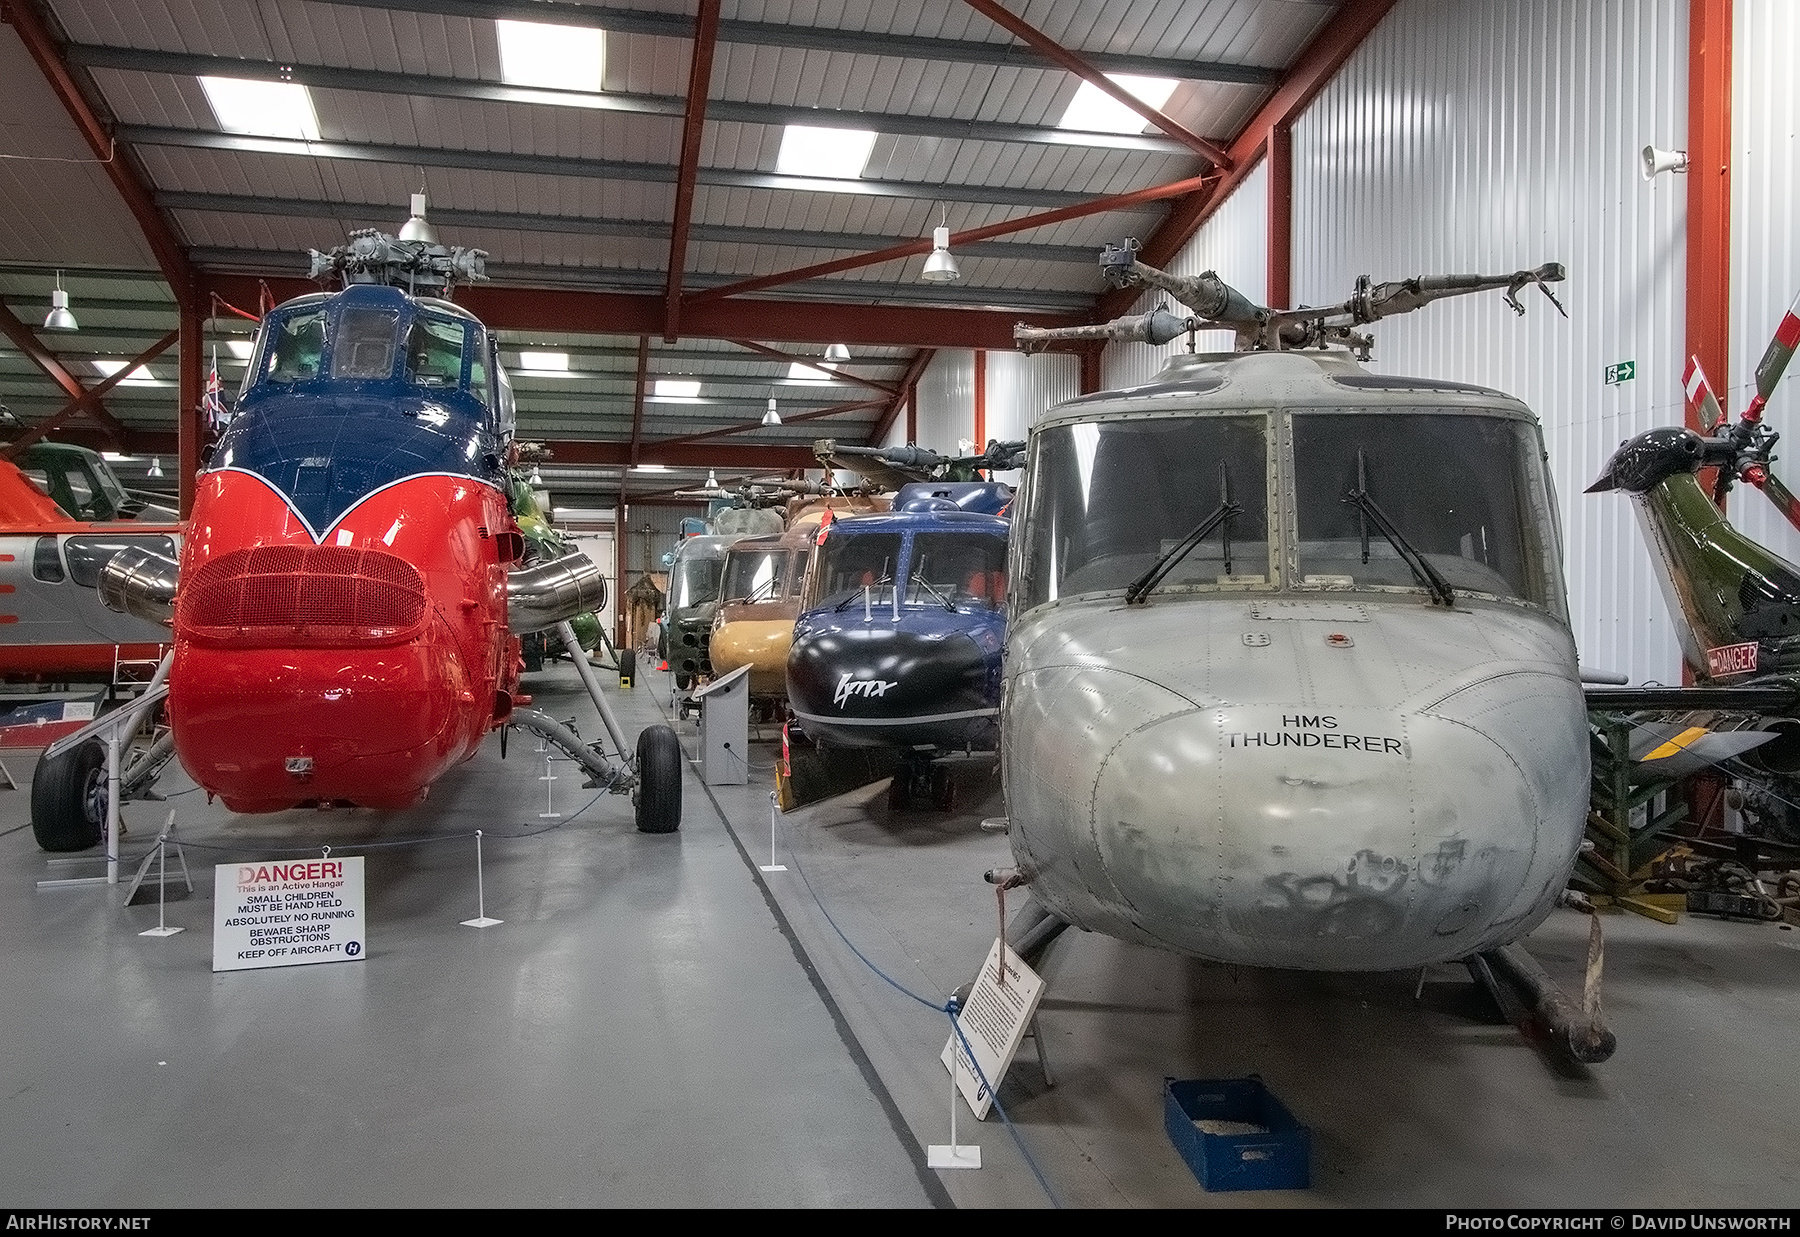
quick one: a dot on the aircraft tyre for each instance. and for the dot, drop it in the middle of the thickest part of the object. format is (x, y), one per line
(943, 789)
(658, 796)
(532, 653)
(683, 682)
(68, 799)
(900, 789)
(627, 667)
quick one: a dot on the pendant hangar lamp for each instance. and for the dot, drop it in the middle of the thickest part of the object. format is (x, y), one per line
(416, 228)
(771, 417)
(156, 468)
(838, 352)
(941, 266)
(59, 318)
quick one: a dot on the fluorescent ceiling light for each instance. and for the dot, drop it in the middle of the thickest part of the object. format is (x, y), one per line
(677, 388)
(267, 109)
(115, 457)
(139, 377)
(555, 57)
(545, 362)
(650, 468)
(240, 348)
(1095, 111)
(813, 375)
(807, 150)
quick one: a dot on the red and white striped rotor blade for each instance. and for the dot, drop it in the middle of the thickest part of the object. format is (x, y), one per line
(1777, 493)
(1701, 401)
(1775, 360)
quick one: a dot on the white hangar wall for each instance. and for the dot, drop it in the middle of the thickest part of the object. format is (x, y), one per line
(1490, 135)
(1765, 246)
(1018, 390)
(1235, 243)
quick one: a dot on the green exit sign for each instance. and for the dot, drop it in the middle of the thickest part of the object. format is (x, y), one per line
(1624, 371)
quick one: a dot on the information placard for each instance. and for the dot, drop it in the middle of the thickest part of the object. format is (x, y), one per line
(291, 913)
(994, 1022)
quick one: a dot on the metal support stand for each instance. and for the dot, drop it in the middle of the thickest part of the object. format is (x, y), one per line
(1037, 1038)
(161, 855)
(481, 919)
(771, 865)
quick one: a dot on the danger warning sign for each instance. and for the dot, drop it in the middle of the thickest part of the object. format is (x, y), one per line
(288, 914)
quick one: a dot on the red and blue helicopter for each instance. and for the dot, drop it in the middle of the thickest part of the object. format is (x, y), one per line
(353, 583)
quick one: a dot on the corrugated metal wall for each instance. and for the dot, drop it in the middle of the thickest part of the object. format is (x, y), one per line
(1019, 389)
(1765, 248)
(1489, 135)
(1235, 243)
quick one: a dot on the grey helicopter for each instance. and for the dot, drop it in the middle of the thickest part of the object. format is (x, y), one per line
(1289, 677)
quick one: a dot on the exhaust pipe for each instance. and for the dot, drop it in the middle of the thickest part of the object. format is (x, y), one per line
(549, 593)
(140, 583)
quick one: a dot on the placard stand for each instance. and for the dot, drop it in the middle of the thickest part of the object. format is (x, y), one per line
(481, 919)
(953, 1154)
(771, 865)
(161, 855)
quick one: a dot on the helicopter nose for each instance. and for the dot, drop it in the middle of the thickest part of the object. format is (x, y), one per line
(1354, 839)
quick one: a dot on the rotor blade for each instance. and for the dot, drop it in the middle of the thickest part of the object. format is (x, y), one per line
(1775, 360)
(1779, 494)
(1700, 398)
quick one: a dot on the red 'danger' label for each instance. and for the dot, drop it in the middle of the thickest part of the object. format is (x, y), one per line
(1731, 659)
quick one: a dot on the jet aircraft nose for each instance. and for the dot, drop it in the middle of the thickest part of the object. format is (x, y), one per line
(1281, 835)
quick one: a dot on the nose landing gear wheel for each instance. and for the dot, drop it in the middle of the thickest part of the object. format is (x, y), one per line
(658, 795)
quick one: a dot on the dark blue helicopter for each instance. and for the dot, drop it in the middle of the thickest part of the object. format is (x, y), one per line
(899, 639)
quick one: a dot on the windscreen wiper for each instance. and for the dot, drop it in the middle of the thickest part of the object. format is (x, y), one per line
(885, 579)
(1221, 515)
(1359, 498)
(918, 575)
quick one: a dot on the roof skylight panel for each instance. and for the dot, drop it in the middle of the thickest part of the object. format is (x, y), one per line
(1094, 111)
(809, 150)
(266, 109)
(553, 57)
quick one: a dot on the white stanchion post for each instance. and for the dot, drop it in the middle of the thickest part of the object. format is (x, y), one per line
(481, 919)
(771, 865)
(954, 1155)
(549, 781)
(112, 806)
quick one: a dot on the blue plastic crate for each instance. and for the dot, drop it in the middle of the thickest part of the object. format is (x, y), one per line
(1278, 1160)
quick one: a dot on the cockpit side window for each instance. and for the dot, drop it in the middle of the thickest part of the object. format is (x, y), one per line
(478, 368)
(434, 351)
(299, 346)
(364, 348)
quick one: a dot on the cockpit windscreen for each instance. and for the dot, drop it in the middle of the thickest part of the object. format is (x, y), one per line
(755, 575)
(696, 580)
(1465, 491)
(850, 562)
(1109, 499)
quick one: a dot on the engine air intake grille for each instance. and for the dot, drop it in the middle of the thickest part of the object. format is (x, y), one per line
(302, 596)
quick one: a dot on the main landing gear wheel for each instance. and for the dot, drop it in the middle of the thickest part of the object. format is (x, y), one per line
(658, 795)
(943, 788)
(68, 799)
(627, 667)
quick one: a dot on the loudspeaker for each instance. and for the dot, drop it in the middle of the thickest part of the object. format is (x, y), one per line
(1655, 160)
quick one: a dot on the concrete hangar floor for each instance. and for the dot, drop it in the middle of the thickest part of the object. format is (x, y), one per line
(658, 1023)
